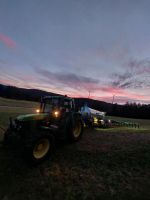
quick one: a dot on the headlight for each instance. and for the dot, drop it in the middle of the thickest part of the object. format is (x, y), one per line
(37, 111)
(102, 122)
(56, 113)
(95, 120)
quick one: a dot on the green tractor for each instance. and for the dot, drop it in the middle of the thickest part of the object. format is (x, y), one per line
(36, 133)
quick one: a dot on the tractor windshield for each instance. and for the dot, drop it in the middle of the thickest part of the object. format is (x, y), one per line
(48, 105)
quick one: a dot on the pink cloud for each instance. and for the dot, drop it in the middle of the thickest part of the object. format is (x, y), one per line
(121, 92)
(80, 86)
(7, 41)
(105, 93)
(6, 82)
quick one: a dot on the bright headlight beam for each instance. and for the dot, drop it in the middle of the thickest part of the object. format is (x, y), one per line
(56, 113)
(95, 120)
(37, 110)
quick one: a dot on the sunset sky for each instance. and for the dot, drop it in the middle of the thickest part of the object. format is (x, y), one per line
(77, 47)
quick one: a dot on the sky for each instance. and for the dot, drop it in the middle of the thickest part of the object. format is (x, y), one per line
(83, 48)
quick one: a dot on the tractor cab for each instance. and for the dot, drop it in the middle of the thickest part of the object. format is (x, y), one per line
(56, 104)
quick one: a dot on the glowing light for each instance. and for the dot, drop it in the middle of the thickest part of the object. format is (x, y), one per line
(56, 113)
(95, 120)
(102, 122)
(37, 110)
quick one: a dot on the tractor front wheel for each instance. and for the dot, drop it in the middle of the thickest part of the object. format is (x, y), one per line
(38, 148)
(41, 148)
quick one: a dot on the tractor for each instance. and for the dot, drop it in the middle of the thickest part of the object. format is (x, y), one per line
(56, 118)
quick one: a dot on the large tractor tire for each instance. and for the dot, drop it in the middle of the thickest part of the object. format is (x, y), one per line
(75, 129)
(38, 147)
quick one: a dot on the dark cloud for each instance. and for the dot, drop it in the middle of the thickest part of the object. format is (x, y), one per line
(70, 80)
(121, 80)
(137, 75)
(79, 84)
(139, 63)
(141, 67)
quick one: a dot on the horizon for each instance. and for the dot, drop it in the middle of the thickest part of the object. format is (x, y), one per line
(89, 97)
(81, 48)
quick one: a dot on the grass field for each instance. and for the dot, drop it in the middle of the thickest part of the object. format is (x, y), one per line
(106, 164)
(21, 103)
(12, 108)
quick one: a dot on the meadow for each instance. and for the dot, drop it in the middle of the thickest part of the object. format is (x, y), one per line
(109, 163)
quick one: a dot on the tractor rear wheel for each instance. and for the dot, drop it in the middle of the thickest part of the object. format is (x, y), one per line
(75, 129)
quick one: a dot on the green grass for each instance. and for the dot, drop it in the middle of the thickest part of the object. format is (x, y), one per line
(12, 108)
(20, 103)
(106, 164)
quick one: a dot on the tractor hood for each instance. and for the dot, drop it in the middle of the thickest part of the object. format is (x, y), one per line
(31, 117)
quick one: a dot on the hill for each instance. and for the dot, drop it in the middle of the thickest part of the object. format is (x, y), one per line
(128, 110)
(23, 93)
(12, 92)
